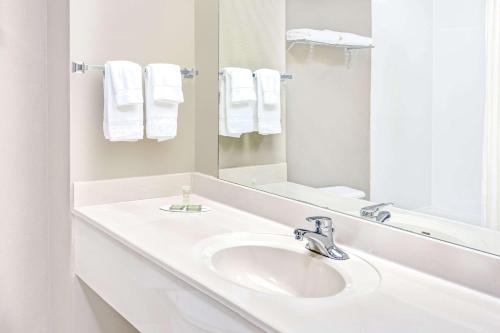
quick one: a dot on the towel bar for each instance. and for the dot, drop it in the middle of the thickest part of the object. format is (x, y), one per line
(81, 67)
(284, 76)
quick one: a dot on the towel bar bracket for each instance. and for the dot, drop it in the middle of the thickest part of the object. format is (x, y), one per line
(78, 67)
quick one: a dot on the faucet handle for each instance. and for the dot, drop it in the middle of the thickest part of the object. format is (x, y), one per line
(370, 211)
(321, 222)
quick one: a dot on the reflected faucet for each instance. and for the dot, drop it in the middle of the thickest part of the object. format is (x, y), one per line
(376, 212)
(321, 240)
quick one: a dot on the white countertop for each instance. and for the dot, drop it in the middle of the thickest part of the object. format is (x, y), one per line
(405, 301)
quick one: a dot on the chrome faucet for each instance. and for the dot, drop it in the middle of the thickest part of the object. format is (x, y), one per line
(321, 240)
(376, 212)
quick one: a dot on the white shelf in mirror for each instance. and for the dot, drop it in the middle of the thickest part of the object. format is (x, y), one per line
(311, 43)
(348, 48)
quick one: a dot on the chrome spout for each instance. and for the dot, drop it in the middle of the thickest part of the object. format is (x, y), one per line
(321, 240)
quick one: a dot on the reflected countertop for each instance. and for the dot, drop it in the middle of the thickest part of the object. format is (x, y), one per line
(455, 232)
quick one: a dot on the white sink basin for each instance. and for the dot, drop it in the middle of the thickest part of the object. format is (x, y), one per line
(270, 270)
(280, 265)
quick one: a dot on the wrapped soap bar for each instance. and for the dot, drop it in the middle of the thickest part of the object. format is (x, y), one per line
(193, 208)
(177, 208)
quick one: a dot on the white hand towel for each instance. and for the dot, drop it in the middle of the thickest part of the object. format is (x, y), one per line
(127, 82)
(268, 114)
(351, 39)
(121, 123)
(270, 83)
(162, 106)
(166, 80)
(242, 85)
(237, 117)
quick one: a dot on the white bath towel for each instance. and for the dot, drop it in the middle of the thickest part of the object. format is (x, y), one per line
(268, 101)
(237, 114)
(312, 35)
(222, 110)
(127, 82)
(163, 95)
(121, 123)
(351, 39)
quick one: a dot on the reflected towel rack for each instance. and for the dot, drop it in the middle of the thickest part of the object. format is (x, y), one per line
(311, 43)
(81, 67)
(349, 49)
(284, 76)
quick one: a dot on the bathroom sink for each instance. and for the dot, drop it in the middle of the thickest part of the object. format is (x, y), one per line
(280, 265)
(270, 270)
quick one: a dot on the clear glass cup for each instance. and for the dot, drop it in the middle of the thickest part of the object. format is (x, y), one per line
(186, 195)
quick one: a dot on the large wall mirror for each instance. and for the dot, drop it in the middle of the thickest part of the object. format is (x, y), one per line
(379, 109)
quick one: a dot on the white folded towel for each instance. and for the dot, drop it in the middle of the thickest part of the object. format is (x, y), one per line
(268, 101)
(242, 85)
(127, 82)
(298, 34)
(351, 39)
(237, 115)
(329, 37)
(163, 95)
(121, 123)
(269, 81)
(319, 36)
(166, 80)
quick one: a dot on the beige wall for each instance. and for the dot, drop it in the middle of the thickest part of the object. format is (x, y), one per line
(36, 283)
(143, 32)
(61, 277)
(72, 306)
(252, 35)
(38, 291)
(24, 228)
(207, 86)
(328, 104)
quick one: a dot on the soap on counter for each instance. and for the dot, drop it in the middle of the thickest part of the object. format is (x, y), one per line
(193, 208)
(177, 208)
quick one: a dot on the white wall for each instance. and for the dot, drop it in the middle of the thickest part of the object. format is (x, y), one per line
(427, 105)
(24, 225)
(458, 108)
(401, 112)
